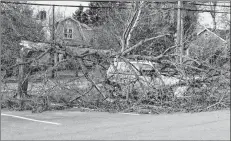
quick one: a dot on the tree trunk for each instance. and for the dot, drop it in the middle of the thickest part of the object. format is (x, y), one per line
(23, 76)
(213, 14)
(214, 23)
(133, 21)
(52, 55)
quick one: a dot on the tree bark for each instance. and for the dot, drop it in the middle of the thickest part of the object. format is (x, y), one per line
(131, 26)
(213, 14)
(23, 75)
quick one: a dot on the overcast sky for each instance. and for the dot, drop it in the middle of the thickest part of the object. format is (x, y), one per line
(204, 18)
(67, 11)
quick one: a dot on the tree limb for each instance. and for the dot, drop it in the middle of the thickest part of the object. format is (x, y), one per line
(140, 43)
(131, 25)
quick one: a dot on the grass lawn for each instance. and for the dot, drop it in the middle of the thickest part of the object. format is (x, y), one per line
(60, 75)
(64, 79)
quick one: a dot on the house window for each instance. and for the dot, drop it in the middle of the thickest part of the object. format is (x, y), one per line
(68, 33)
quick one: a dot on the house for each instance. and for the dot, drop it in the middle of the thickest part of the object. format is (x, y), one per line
(72, 32)
(67, 30)
(42, 17)
(207, 45)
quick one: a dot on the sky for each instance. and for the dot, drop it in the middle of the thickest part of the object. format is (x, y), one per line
(66, 11)
(204, 18)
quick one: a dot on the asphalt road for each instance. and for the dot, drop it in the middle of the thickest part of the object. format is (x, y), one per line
(75, 125)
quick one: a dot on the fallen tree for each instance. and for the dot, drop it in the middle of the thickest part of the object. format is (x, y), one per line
(164, 82)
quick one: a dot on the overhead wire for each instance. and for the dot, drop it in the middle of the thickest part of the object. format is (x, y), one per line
(97, 7)
(209, 5)
(172, 8)
(193, 3)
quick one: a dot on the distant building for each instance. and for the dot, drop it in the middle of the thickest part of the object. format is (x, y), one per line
(42, 17)
(72, 32)
(206, 44)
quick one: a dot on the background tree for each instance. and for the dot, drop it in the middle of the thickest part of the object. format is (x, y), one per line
(160, 21)
(212, 8)
(17, 23)
(213, 14)
(107, 23)
(81, 16)
(100, 16)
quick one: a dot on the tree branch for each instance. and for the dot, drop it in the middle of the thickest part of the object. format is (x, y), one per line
(140, 43)
(131, 25)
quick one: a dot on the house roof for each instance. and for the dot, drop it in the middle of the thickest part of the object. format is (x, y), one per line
(202, 28)
(70, 18)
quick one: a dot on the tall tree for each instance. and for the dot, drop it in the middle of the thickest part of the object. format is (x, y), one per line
(108, 23)
(154, 20)
(80, 15)
(213, 14)
(17, 23)
(159, 18)
(98, 16)
(212, 8)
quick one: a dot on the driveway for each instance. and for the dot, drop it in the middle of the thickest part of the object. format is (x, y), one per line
(75, 125)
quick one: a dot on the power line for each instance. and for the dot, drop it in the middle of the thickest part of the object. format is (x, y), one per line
(187, 9)
(8, 2)
(209, 5)
(97, 7)
(193, 3)
(202, 4)
(212, 11)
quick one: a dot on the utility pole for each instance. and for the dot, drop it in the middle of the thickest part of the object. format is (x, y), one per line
(179, 32)
(181, 35)
(54, 54)
(1, 66)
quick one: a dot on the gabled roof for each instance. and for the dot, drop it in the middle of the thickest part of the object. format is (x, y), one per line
(203, 28)
(76, 21)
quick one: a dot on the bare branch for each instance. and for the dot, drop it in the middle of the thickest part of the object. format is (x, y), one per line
(131, 25)
(30, 61)
(140, 43)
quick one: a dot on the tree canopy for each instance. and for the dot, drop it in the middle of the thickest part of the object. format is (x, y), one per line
(17, 23)
(154, 21)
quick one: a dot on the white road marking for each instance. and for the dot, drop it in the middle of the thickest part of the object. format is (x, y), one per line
(31, 119)
(130, 114)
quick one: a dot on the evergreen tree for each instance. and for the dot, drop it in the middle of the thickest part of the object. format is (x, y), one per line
(81, 16)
